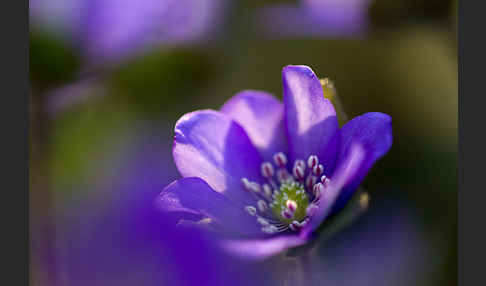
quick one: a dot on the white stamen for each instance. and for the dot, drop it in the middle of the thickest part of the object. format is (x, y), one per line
(298, 172)
(246, 183)
(280, 159)
(282, 175)
(269, 229)
(267, 191)
(255, 187)
(267, 170)
(304, 223)
(325, 180)
(294, 225)
(318, 170)
(312, 161)
(263, 221)
(318, 190)
(300, 163)
(262, 205)
(251, 210)
(310, 181)
(291, 205)
(287, 214)
(311, 210)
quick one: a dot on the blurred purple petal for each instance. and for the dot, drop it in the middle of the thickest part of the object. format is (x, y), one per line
(58, 16)
(261, 115)
(194, 196)
(115, 29)
(373, 131)
(124, 240)
(262, 248)
(210, 145)
(312, 127)
(316, 18)
(66, 97)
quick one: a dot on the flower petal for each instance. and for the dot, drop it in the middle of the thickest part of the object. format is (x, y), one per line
(261, 115)
(209, 145)
(195, 197)
(373, 131)
(310, 118)
(258, 249)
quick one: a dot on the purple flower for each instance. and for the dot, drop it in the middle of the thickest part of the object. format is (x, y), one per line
(266, 174)
(316, 18)
(115, 29)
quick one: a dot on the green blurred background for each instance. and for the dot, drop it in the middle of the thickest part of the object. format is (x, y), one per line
(405, 66)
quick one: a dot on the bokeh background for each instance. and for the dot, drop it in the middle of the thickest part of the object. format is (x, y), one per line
(109, 79)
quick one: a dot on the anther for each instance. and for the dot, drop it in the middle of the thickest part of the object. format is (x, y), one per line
(287, 214)
(325, 180)
(280, 159)
(251, 210)
(311, 210)
(300, 163)
(283, 175)
(318, 170)
(262, 205)
(267, 170)
(269, 229)
(312, 161)
(246, 183)
(298, 172)
(291, 205)
(318, 190)
(275, 194)
(263, 221)
(255, 187)
(294, 225)
(267, 191)
(310, 181)
(304, 223)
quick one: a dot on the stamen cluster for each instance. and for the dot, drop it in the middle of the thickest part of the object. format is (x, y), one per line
(287, 200)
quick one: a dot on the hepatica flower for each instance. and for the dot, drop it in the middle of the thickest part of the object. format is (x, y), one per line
(266, 174)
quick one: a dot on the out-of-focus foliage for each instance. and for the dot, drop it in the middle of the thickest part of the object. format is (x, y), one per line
(52, 62)
(169, 77)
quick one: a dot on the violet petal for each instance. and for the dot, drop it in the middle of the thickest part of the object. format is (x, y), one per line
(210, 145)
(261, 115)
(194, 196)
(371, 130)
(258, 249)
(310, 118)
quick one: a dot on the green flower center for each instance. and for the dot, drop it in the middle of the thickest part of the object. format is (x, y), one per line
(290, 193)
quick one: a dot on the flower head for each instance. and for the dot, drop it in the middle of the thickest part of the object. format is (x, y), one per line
(266, 174)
